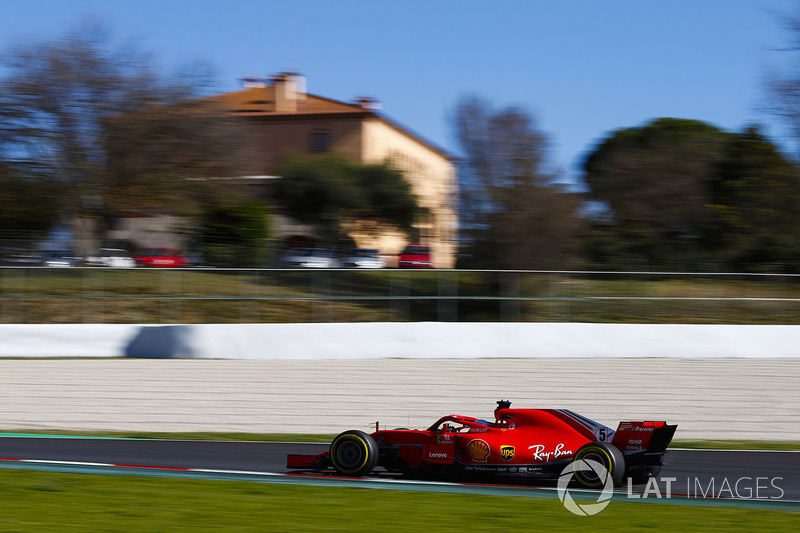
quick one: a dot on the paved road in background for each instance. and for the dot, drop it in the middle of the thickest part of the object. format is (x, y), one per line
(696, 472)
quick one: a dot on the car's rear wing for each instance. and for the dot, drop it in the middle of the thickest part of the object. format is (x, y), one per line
(652, 437)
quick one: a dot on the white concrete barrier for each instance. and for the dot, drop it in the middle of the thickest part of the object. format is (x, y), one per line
(376, 340)
(708, 398)
(715, 382)
(66, 340)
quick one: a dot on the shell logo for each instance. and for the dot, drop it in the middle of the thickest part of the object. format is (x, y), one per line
(479, 450)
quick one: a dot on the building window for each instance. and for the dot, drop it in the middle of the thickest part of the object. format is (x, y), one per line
(320, 141)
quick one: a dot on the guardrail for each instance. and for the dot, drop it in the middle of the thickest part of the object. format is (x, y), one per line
(210, 295)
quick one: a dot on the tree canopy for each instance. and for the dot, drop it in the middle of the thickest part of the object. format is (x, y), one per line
(681, 193)
(512, 214)
(783, 84)
(71, 110)
(326, 190)
(28, 204)
(755, 198)
(235, 235)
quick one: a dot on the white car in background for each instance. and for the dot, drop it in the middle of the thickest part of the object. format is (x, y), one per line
(310, 258)
(363, 258)
(60, 259)
(113, 258)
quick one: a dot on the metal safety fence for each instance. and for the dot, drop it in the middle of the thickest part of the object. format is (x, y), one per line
(211, 295)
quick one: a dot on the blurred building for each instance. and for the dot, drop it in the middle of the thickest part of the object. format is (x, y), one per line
(280, 118)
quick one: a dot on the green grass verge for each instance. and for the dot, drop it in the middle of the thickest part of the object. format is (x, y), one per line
(85, 503)
(737, 445)
(90, 295)
(261, 437)
(294, 437)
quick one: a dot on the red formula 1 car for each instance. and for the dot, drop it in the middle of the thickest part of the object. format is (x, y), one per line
(535, 443)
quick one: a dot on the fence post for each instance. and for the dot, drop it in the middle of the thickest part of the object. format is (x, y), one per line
(242, 300)
(447, 310)
(11, 285)
(321, 287)
(87, 318)
(163, 298)
(401, 292)
(509, 288)
(101, 301)
(178, 300)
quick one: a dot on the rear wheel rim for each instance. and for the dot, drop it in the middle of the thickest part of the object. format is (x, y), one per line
(590, 477)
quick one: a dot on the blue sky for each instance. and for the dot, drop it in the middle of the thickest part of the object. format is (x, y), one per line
(582, 67)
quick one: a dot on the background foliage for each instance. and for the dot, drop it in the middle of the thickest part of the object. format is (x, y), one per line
(681, 194)
(326, 190)
(512, 212)
(235, 236)
(91, 128)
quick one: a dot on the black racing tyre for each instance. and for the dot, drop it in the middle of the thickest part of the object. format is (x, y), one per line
(354, 453)
(608, 456)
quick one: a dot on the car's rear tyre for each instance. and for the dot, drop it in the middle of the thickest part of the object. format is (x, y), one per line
(608, 456)
(354, 453)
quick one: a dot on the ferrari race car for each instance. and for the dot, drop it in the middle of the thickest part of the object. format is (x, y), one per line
(530, 443)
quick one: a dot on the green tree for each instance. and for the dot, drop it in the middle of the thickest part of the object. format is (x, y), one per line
(783, 85)
(387, 196)
(681, 193)
(653, 183)
(97, 117)
(512, 213)
(167, 159)
(235, 236)
(326, 191)
(28, 203)
(755, 197)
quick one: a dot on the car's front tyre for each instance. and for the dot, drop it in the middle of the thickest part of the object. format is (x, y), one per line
(354, 453)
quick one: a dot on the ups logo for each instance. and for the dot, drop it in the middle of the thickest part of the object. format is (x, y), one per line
(507, 452)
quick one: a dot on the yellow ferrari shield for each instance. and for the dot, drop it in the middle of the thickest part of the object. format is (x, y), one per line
(507, 452)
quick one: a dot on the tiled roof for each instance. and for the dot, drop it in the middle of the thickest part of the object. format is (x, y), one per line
(260, 101)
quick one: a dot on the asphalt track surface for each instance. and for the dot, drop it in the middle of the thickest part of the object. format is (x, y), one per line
(760, 475)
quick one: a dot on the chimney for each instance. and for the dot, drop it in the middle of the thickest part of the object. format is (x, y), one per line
(289, 89)
(368, 102)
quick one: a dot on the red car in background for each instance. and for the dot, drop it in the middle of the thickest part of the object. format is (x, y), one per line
(415, 256)
(160, 257)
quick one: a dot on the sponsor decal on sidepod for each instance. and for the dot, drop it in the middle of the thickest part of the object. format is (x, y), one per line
(539, 453)
(507, 452)
(479, 450)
